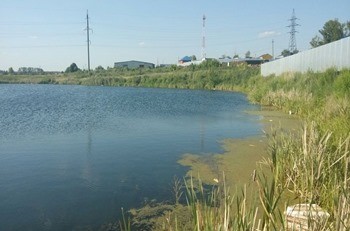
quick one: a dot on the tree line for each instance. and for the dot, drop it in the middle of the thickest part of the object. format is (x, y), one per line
(332, 30)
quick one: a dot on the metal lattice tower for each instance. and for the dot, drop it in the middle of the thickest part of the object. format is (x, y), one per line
(203, 38)
(88, 38)
(293, 31)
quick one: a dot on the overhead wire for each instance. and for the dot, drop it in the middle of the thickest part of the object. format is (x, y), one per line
(165, 35)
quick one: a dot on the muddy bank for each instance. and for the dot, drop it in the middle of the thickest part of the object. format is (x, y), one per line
(240, 156)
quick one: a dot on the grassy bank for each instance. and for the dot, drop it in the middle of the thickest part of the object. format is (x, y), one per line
(204, 76)
(307, 166)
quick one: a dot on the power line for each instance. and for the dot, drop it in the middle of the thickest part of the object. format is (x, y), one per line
(41, 46)
(38, 23)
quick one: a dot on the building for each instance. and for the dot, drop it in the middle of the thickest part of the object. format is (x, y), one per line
(188, 61)
(249, 61)
(266, 57)
(132, 64)
(226, 61)
(185, 59)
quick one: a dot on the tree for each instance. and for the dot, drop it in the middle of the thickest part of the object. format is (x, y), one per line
(30, 70)
(286, 53)
(22, 70)
(247, 54)
(332, 31)
(99, 68)
(347, 29)
(11, 71)
(225, 57)
(236, 56)
(193, 58)
(72, 68)
(316, 41)
(210, 63)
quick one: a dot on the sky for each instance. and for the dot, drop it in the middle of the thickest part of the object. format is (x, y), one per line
(51, 34)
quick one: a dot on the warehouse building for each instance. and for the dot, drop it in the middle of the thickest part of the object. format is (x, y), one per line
(132, 64)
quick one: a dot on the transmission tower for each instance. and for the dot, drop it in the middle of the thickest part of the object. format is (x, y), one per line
(88, 38)
(293, 24)
(203, 39)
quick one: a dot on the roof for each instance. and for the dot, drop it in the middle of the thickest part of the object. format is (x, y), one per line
(239, 60)
(225, 60)
(266, 56)
(186, 59)
(134, 61)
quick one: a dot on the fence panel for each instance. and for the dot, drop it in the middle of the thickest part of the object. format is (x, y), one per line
(335, 54)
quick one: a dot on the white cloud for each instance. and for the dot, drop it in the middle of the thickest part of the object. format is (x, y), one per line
(267, 34)
(33, 37)
(141, 44)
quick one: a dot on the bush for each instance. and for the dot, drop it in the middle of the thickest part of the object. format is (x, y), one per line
(342, 84)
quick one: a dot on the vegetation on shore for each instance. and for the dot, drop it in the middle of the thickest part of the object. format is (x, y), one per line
(307, 167)
(311, 166)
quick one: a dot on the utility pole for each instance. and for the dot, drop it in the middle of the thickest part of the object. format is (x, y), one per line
(292, 41)
(273, 49)
(88, 38)
(203, 39)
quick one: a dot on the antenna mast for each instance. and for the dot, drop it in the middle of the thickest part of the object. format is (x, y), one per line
(203, 38)
(292, 41)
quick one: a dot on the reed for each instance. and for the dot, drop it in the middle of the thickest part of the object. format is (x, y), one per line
(304, 167)
(125, 224)
(218, 209)
(315, 171)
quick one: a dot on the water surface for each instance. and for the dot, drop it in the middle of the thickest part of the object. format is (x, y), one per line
(72, 156)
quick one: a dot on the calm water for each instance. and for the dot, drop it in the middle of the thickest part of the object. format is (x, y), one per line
(72, 156)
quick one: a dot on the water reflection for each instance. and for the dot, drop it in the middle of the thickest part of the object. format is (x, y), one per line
(202, 134)
(90, 179)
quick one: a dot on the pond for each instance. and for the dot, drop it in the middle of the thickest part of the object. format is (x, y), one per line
(73, 156)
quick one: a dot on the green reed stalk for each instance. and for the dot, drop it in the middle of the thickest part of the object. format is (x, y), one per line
(125, 225)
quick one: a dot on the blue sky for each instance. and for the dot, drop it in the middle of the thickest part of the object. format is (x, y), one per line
(50, 34)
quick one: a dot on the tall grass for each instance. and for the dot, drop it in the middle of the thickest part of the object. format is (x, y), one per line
(218, 209)
(313, 166)
(314, 170)
(309, 167)
(304, 168)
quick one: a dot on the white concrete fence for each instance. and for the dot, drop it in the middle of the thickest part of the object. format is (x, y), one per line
(335, 54)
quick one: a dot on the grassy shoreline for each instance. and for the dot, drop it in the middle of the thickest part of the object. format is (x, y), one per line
(309, 166)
